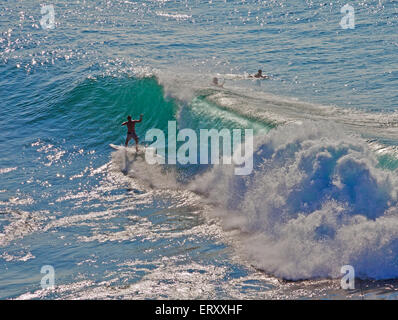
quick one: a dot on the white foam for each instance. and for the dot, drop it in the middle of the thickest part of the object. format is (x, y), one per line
(152, 175)
(7, 170)
(270, 108)
(176, 16)
(315, 202)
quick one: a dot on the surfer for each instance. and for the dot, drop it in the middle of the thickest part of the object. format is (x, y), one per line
(259, 75)
(215, 83)
(131, 130)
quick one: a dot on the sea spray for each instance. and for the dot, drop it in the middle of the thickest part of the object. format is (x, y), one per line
(316, 201)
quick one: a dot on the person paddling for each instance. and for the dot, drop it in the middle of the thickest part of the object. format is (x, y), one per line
(259, 75)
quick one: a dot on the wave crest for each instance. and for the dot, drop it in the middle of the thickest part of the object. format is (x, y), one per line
(316, 201)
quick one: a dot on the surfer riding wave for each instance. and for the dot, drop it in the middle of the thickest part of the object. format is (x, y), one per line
(131, 134)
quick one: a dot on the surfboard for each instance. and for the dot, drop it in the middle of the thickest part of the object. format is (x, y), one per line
(142, 149)
(141, 152)
(264, 77)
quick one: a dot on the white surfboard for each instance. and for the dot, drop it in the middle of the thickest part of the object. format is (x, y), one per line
(141, 151)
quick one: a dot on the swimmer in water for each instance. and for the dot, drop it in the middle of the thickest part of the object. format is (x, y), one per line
(259, 75)
(215, 83)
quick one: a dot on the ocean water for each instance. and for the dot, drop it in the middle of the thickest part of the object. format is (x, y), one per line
(324, 188)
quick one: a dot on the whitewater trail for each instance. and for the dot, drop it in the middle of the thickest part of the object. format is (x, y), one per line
(317, 200)
(275, 110)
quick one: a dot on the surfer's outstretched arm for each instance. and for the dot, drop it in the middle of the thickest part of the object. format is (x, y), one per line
(124, 123)
(140, 118)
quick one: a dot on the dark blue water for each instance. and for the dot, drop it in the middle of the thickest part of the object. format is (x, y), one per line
(323, 192)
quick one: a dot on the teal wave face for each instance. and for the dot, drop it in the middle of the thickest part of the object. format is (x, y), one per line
(92, 112)
(94, 109)
(389, 162)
